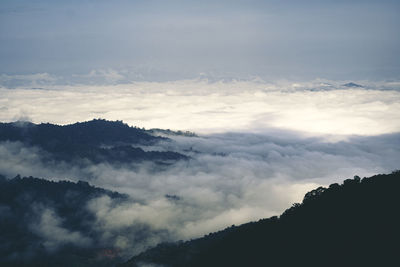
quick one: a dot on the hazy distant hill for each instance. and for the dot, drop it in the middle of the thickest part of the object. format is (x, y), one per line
(353, 224)
(352, 85)
(96, 140)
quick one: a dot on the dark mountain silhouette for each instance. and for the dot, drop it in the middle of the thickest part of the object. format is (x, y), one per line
(353, 224)
(22, 203)
(95, 140)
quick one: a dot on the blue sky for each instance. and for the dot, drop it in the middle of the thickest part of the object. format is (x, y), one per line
(183, 39)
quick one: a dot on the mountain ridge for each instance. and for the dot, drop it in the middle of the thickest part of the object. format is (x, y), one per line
(97, 140)
(353, 224)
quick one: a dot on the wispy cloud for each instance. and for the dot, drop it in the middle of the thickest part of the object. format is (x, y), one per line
(49, 228)
(231, 178)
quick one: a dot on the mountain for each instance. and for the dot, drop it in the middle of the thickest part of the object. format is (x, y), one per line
(95, 140)
(353, 224)
(353, 85)
(46, 223)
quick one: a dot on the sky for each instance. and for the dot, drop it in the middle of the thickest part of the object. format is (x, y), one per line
(171, 40)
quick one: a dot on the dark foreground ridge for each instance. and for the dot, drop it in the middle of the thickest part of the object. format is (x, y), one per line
(45, 223)
(353, 224)
(96, 140)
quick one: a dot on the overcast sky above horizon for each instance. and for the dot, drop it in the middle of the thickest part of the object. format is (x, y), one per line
(170, 40)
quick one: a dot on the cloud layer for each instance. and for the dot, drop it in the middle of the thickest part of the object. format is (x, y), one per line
(314, 108)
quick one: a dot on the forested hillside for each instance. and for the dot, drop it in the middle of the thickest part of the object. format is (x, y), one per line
(95, 140)
(352, 224)
(46, 223)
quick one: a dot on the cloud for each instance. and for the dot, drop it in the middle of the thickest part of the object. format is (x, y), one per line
(33, 80)
(17, 158)
(232, 178)
(129, 227)
(314, 108)
(49, 228)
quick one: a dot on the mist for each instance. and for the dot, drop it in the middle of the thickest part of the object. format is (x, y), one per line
(231, 178)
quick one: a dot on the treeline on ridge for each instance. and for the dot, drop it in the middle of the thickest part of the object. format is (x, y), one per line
(96, 140)
(353, 224)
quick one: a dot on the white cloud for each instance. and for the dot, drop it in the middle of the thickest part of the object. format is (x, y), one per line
(315, 108)
(49, 228)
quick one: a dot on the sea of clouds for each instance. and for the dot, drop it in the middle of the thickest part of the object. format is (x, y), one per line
(260, 147)
(318, 107)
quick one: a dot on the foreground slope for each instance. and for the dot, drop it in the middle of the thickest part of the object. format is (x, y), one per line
(353, 224)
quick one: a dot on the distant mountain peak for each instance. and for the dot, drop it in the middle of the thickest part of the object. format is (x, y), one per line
(351, 84)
